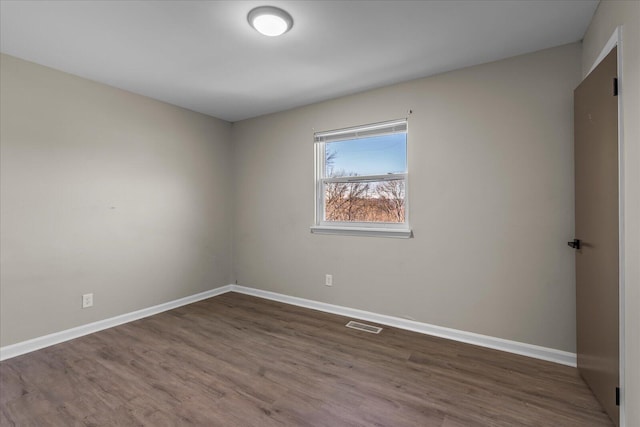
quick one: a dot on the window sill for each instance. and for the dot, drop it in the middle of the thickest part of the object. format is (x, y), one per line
(399, 233)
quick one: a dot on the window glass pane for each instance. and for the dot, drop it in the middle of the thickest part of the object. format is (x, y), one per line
(378, 155)
(377, 201)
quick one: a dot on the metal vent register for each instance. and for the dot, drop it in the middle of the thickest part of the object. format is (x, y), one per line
(363, 327)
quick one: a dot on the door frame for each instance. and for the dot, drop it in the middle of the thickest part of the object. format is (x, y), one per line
(616, 41)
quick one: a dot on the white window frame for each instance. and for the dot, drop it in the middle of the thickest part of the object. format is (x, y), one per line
(380, 229)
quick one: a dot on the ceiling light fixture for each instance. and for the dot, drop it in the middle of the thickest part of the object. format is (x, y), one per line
(270, 21)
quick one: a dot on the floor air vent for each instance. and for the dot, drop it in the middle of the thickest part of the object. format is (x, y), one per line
(363, 327)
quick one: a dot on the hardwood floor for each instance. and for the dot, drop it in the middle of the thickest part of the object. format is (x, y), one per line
(236, 360)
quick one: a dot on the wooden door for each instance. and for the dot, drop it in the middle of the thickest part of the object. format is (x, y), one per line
(597, 265)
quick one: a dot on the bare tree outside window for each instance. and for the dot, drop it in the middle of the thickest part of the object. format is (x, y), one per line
(365, 202)
(362, 201)
(391, 195)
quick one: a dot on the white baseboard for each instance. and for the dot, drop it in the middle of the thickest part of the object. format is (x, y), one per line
(28, 346)
(530, 350)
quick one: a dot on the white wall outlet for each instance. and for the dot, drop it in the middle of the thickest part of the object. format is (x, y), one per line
(87, 300)
(328, 280)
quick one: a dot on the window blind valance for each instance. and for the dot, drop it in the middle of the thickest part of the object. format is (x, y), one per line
(376, 129)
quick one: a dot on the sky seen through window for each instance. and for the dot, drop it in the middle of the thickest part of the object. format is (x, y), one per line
(377, 155)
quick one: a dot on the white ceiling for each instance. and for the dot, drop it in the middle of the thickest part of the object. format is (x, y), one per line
(202, 55)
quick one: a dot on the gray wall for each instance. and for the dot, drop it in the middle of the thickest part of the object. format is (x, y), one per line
(609, 15)
(491, 202)
(107, 192)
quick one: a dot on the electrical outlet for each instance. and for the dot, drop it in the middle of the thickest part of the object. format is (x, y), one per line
(87, 300)
(328, 280)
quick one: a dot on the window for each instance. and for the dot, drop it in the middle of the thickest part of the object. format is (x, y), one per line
(361, 180)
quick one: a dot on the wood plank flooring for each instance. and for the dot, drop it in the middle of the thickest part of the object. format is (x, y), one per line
(236, 360)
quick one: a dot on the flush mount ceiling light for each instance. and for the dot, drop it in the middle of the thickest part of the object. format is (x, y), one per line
(270, 21)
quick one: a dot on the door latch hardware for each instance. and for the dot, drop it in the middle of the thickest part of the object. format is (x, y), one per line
(575, 244)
